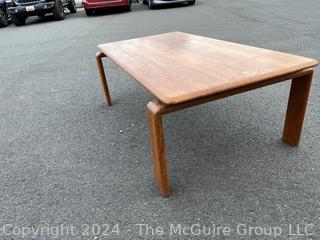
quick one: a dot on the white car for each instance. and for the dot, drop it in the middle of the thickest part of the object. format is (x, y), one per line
(154, 3)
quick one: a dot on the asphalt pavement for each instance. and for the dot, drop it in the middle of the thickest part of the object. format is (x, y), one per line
(68, 159)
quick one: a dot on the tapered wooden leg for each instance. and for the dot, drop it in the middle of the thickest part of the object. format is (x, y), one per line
(103, 79)
(300, 88)
(158, 148)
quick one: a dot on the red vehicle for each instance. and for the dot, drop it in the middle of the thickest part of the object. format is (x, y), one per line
(91, 5)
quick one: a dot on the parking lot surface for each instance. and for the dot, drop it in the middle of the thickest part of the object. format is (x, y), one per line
(66, 158)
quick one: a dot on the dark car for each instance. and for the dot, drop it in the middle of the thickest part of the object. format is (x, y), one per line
(4, 16)
(21, 9)
(153, 3)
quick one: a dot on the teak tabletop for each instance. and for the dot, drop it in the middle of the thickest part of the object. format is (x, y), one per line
(183, 70)
(178, 67)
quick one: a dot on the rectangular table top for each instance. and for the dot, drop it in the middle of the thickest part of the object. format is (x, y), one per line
(177, 67)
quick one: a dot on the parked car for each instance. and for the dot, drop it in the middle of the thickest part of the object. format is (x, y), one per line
(4, 15)
(21, 9)
(153, 3)
(91, 5)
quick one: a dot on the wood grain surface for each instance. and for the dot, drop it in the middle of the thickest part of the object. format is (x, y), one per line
(177, 67)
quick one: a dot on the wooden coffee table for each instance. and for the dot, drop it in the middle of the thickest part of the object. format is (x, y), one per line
(183, 70)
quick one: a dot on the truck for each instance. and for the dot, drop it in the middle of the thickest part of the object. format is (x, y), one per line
(20, 10)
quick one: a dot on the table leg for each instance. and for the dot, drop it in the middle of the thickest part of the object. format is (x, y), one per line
(299, 92)
(103, 79)
(158, 148)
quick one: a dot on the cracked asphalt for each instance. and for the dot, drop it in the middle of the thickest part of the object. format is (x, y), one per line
(67, 159)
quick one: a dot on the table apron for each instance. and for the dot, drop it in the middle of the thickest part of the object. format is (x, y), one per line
(164, 108)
